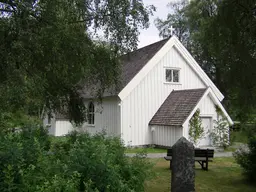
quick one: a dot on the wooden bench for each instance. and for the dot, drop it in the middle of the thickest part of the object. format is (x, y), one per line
(202, 156)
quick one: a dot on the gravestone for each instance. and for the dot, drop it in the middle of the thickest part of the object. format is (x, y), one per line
(183, 166)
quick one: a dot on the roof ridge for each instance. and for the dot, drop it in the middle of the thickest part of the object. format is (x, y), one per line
(146, 46)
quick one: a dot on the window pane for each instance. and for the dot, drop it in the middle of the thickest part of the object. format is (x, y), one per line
(91, 107)
(168, 75)
(89, 118)
(176, 76)
(91, 114)
(92, 122)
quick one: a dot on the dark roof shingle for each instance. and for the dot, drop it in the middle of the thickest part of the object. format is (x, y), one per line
(134, 61)
(177, 107)
(130, 64)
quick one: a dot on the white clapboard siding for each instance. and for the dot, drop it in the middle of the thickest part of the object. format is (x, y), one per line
(166, 135)
(107, 118)
(143, 102)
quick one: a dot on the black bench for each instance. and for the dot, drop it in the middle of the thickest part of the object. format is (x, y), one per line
(202, 156)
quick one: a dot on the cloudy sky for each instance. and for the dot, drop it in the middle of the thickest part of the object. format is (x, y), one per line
(150, 35)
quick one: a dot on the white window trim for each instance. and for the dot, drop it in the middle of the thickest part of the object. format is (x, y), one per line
(172, 68)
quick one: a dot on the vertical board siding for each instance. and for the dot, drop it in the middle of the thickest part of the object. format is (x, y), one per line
(207, 110)
(207, 106)
(143, 102)
(107, 118)
(51, 129)
(63, 127)
(166, 135)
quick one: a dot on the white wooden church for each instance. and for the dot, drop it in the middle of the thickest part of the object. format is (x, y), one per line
(162, 87)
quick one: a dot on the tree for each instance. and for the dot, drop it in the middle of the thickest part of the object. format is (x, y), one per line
(196, 130)
(222, 40)
(177, 20)
(234, 46)
(49, 51)
(220, 132)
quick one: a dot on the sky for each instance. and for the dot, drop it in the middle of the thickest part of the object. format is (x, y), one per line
(150, 35)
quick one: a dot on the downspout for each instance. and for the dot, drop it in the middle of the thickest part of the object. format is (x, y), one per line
(121, 119)
(152, 131)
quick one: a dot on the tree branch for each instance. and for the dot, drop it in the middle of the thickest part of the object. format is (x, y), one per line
(7, 10)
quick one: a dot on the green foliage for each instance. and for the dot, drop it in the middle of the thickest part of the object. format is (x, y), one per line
(196, 130)
(20, 151)
(220, 132)
(247, 158)
(79, 162)
(238, 136)
(50, 53)
(176, 19)
(221, 37)
(13, 120)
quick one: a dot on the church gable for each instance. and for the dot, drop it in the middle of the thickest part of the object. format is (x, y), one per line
(174, 47)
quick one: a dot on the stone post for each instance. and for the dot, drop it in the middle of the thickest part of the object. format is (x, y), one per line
(183, 166)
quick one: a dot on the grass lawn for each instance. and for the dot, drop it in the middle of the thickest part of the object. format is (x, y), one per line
(224, 175)
(147, 150)
(239, 136)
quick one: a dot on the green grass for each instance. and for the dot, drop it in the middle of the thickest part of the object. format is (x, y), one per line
(239, 136)
(230, 149)
(224, 175)
(147, 150)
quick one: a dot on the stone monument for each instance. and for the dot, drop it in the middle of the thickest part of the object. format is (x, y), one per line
(183, 166)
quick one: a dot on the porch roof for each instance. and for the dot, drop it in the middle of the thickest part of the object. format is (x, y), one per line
(177, 107)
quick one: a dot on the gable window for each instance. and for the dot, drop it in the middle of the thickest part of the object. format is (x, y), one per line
(172, 75)
(91, 113)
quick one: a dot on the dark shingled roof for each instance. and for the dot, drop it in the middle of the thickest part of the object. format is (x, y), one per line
(177, 107)
(133, 62)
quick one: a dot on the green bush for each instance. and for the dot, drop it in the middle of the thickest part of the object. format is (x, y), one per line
(101, 161)
(19, 151)
(196, 130)
(246, 158)
(30, 160)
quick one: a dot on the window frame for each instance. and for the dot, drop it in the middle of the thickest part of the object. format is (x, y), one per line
(91, 114)
(172, 69)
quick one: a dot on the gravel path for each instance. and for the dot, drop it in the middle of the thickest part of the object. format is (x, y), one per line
(161, 155)
(217, 153)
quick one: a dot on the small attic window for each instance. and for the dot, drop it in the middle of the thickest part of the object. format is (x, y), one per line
(172, 75)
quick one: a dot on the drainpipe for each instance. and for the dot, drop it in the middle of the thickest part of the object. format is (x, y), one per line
(121, 119)
(153, 130)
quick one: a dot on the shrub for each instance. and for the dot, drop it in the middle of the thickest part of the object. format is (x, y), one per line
(19, 151)
(101, 160)
(246, 158)
(220, 132)
(196, 130)
(79, 162)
